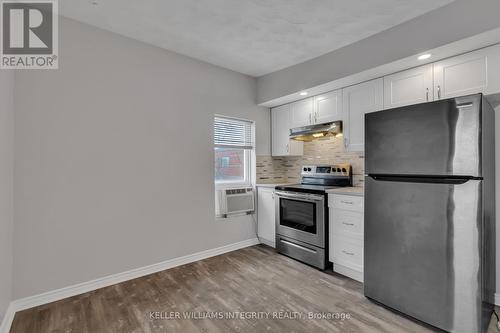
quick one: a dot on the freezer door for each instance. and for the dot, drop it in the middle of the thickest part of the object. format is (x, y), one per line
(423, 250)
(438, 138)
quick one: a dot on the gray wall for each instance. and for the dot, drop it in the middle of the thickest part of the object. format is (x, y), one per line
(114, 160)
(458, 20)
(6, 188)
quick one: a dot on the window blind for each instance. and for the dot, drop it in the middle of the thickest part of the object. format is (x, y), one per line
(233, 133)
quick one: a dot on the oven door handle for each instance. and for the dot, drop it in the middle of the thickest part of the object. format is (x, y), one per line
(301, 196)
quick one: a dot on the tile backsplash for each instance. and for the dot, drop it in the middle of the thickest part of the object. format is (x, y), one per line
(323, 151)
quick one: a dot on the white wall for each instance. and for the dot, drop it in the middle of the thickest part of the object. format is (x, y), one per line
(114, 159)
(6, 188)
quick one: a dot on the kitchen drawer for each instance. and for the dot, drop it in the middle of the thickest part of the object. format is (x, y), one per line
(310, 254)
(346, 222)
(348, 252)
(347, 202)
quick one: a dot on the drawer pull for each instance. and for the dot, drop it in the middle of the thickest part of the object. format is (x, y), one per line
(346, 202)
(348, 253)
(349, 224)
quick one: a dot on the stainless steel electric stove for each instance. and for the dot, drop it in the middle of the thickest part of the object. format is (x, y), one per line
(302, 213)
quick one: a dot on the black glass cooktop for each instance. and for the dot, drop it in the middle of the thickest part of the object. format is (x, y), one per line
(306, 188)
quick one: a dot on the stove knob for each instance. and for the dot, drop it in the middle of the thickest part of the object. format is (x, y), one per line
(338, 169)
(344, 170)
(308, 169)
(305, 169)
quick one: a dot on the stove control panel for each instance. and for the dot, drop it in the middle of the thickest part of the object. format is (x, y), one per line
(326, 170)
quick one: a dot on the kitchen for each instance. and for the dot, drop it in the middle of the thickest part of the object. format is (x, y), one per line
(250, 166)
(470, 73)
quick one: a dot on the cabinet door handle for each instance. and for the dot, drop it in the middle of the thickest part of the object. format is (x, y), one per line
(316, 117)
(439, 92)
(427, 94)
(346, 142)
(310, 118)
(346, 202)
(348, 253)
(287, 147)
(349, 224)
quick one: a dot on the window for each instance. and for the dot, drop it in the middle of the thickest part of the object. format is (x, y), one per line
(233, 145)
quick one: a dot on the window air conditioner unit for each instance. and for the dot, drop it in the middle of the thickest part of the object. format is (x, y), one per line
(233, 201)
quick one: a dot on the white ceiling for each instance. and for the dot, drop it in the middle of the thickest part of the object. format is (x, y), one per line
(254, 37)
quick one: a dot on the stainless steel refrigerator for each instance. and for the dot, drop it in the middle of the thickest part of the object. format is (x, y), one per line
(430, 212)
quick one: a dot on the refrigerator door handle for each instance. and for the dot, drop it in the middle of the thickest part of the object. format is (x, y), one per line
(455, 180)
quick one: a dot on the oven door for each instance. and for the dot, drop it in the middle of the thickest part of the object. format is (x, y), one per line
(301, 216)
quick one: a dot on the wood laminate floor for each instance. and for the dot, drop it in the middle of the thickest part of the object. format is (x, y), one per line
(254, 279)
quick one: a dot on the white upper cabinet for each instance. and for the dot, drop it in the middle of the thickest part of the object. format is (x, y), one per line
(317, 110)
(301, 113)
(469, 73)
(412, 86)
(463, 75)
(328, 107)
(493, 57)
(281, 143)
(357, 101)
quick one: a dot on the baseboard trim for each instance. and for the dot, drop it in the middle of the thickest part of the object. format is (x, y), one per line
(7, 319)
(497, 299)
(349, 272)
(81, 288)
(267, 242)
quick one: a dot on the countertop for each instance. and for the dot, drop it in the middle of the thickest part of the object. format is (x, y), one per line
(271, 185)
(356, 190)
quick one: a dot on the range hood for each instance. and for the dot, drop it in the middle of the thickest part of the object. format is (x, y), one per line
(313, 132)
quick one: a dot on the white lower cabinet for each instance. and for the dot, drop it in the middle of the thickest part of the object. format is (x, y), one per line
(266, 226)
(347, 252)
(346, 234)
